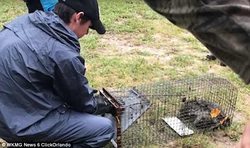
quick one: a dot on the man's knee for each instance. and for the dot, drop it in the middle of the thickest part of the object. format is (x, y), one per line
(107, 127)
(102, 131)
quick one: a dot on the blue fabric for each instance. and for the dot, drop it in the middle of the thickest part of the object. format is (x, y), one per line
(48, 5)
(66, 125)
(41, 70)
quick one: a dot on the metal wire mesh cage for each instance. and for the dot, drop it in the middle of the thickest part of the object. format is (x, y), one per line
(155, 113)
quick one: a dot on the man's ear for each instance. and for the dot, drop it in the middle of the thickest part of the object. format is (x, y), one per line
(79, 15)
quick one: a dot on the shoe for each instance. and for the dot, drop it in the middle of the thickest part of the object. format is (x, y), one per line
(210, 57)
(222, 64)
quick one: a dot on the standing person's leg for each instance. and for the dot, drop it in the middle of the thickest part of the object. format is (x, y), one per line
(67, 125)
(33, 5)
(245, 139)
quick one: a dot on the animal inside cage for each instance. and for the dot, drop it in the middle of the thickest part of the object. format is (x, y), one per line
(154, 114)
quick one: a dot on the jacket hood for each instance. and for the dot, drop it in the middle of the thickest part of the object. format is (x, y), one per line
(47, 22)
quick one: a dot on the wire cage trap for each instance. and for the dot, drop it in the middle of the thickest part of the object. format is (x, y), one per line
(155, 113)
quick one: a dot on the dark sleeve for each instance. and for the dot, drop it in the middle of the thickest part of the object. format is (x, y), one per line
(33, 5)
(72, 85)
(221, 25)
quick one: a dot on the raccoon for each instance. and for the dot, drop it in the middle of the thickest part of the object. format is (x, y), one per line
(198, 113)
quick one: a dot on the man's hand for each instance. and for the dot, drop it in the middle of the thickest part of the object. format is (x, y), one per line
(103, 106)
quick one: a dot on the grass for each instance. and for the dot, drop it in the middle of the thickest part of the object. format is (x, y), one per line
(129, 71)
(233, 131)
(141, 46)
(197, 141)
(181, 61)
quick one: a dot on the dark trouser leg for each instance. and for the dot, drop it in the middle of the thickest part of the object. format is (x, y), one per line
(33, 5)
(81, 129)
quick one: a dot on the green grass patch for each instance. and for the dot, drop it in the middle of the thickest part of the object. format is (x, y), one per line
(233, 131)
(89, 42)
(196, 141)
(139, 53)
(119, 72)
(181, 61)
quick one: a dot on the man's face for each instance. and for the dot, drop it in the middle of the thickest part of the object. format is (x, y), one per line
(76, 25)
(82, 29)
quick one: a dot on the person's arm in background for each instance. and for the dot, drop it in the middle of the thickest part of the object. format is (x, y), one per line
(44, 5)
(33, 5)
(223, 26)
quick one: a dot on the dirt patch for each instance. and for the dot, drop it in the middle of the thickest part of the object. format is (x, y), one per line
(221, 140)
(239, 116)
(124, 45)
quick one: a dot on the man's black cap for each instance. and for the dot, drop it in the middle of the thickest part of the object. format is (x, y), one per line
(91, 11)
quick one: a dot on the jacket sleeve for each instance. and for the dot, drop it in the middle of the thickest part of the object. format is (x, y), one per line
(220, 25)
(72, 85)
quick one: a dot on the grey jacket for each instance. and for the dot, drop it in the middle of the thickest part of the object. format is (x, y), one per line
(40, 70)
